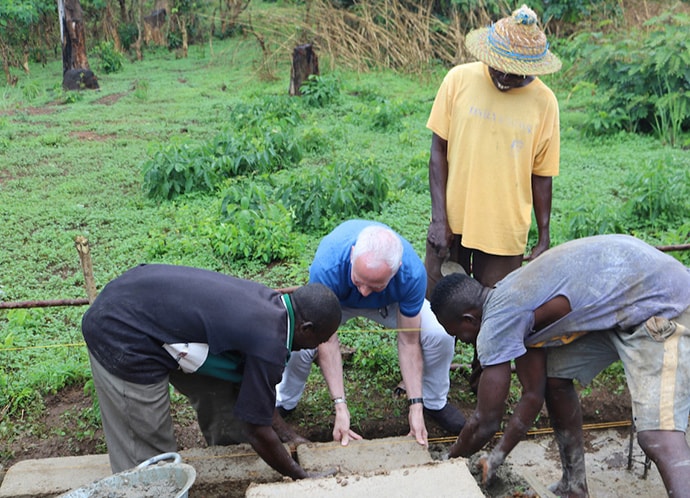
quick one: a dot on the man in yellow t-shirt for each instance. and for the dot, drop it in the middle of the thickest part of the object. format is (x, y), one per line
(494, 150)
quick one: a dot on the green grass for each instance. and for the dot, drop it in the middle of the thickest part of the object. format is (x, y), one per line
(72, 166)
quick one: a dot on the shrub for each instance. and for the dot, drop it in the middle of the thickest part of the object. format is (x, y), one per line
(415, 176)
(261, 141)
(128, 33)
(251, 226)
(320, 91)
(255, 150)
(384, 115)
(641, 79)
(592, 219)
(269, 109)
(321, 197)
(658, 196)
(178, 169)
(111, 61)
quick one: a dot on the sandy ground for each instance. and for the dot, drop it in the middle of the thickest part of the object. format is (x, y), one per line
(537, 460)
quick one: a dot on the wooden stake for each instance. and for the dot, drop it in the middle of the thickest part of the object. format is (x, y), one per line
(82, 245)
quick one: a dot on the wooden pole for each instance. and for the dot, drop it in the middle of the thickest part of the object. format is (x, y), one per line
(82, 245)
(43, 303)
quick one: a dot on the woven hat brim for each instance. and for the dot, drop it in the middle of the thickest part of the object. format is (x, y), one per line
(477, 44)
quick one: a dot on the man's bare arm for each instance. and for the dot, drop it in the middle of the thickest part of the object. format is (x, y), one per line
(486, 419)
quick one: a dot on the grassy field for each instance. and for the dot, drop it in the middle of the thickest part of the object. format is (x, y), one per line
(71, 164)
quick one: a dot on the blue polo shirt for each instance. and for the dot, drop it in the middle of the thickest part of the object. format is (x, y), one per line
(332, 267)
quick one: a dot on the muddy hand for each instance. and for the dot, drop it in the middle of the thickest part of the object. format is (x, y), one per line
(488, 472)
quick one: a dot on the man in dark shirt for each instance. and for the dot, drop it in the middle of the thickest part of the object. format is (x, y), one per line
(221, 341)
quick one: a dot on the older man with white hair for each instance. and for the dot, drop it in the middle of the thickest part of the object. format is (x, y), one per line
(376, 274)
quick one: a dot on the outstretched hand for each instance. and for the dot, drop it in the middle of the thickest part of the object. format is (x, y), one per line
(417, 426)
(341, 428)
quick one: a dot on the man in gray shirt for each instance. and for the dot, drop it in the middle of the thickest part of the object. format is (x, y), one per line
(567, 315)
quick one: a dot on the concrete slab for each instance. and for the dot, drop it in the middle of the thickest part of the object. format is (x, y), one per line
(450, 478)
(363, 456)
(48, 477)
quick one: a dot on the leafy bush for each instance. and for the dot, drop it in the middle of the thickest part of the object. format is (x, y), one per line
(641, 79)
(259, 142)
(315, 139)
(252, 226)
(658, 196)
(653, 198)
(267, 110)
(128, 33)
(320, 91)
(384, 115)
(178, 169)
(321, 197)
(575, 11)
(111, 61)
(415, 176)
(592, 219)
(255, 150)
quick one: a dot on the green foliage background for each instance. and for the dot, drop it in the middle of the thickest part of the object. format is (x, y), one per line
(200, 161)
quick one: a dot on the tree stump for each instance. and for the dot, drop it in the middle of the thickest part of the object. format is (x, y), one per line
(305, 62)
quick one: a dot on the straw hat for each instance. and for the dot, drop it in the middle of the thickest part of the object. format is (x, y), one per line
(514, 45)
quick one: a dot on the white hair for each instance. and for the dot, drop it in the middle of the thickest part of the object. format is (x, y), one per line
(382, 243)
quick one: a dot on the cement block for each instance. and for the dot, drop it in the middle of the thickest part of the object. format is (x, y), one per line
(450, 478)
(47, 477)
(226, 471)
(363, 456)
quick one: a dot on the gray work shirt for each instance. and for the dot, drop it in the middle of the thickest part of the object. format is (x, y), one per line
(611, 282)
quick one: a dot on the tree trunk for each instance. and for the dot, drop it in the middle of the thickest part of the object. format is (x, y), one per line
(140, 35)
(76, 73)
(73, 36)
(305, 62)
(110, 27)
(185, 36)
(5, 56)
(123, 11)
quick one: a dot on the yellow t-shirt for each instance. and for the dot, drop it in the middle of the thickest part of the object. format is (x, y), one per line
(496, 142)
